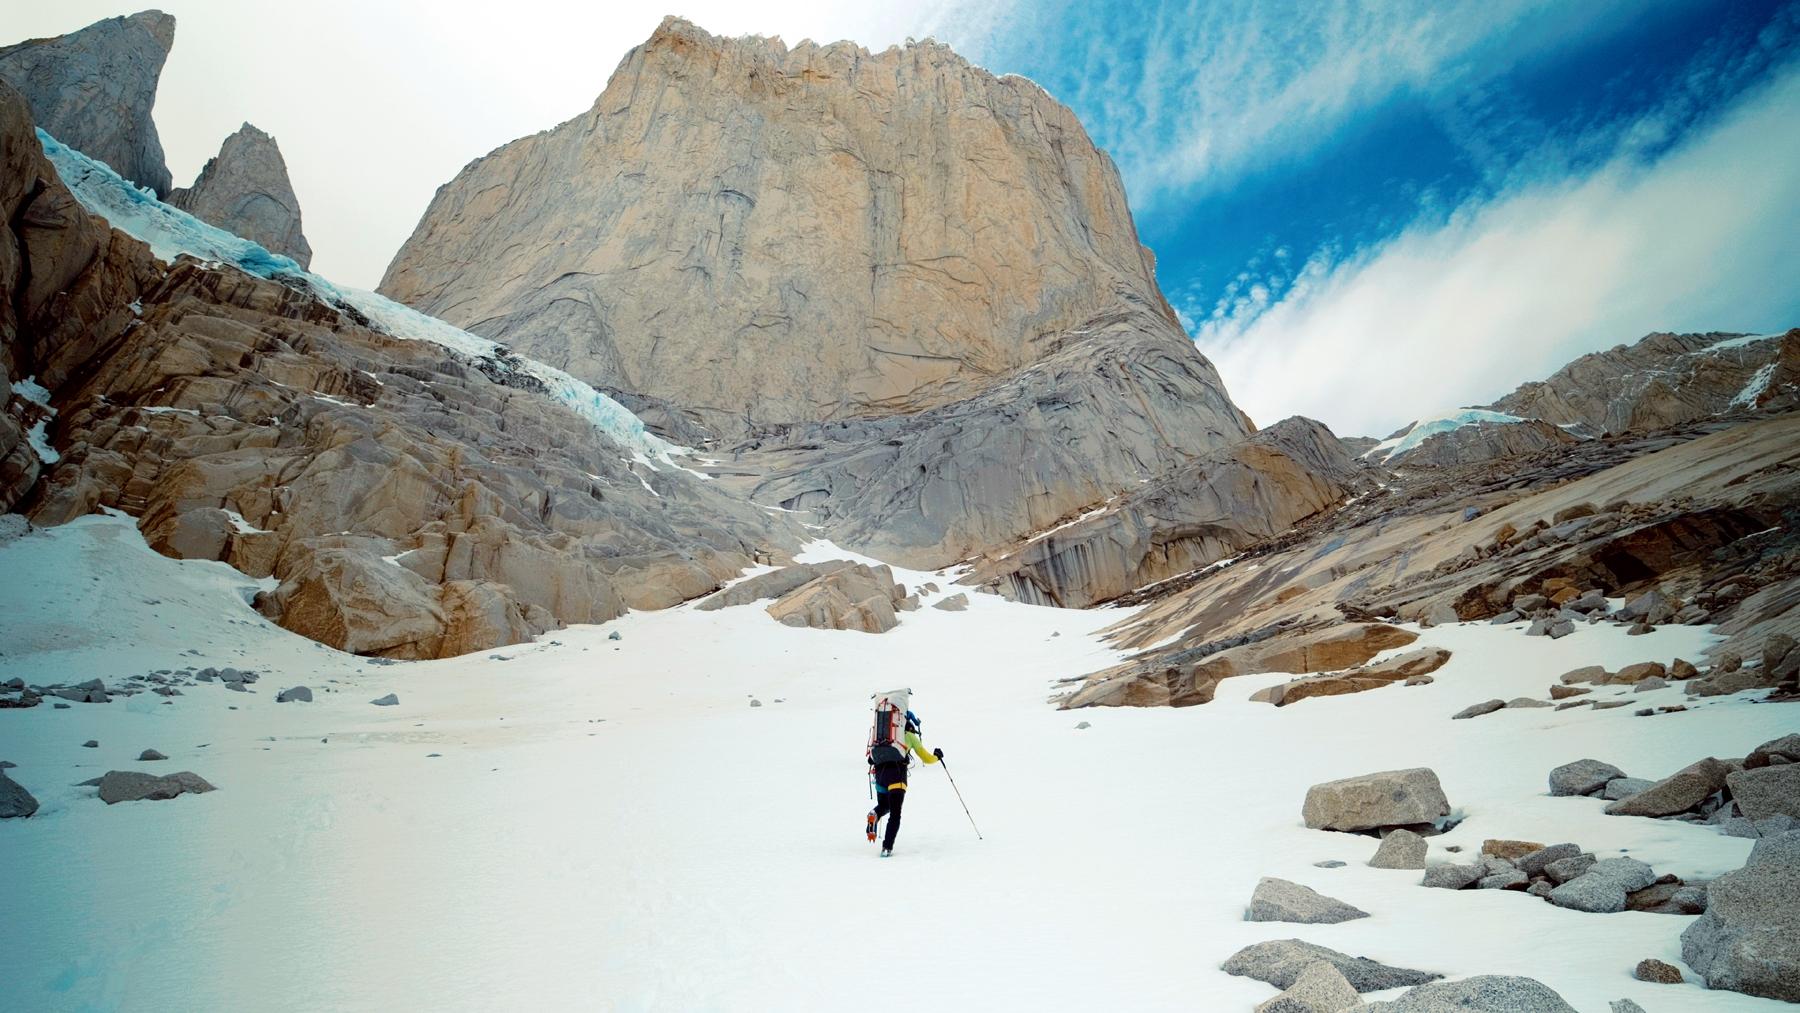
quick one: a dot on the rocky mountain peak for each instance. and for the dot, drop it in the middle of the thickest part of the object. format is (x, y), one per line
(94, 89)
(245, 191)
(776, 235)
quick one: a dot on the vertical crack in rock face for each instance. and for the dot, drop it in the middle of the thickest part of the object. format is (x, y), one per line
(94, 90)
(909, 291)
(245, 191)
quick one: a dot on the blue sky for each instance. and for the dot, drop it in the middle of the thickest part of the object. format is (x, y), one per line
(1436, 201)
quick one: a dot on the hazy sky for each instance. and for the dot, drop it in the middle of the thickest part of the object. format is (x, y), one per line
(1365, 212)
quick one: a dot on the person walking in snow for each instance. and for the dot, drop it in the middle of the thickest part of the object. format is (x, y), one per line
(893, 742)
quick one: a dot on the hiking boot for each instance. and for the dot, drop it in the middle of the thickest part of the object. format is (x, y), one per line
(887, 852)
(871, 826)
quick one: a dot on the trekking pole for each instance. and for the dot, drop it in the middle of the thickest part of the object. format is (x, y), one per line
(959, 798)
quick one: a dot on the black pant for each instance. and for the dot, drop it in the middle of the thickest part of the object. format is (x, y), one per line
(888, 804)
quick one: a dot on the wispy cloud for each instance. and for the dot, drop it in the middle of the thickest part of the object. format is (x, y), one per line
(1459, 310)
(1189, 96)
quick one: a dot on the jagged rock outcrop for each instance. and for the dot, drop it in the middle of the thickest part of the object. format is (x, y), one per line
(93, 90)
(244, 189)
(411, 501)
(1664, 380)
(854, 597)
(1198, 513)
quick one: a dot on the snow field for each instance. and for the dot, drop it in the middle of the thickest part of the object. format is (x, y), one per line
(611, 825)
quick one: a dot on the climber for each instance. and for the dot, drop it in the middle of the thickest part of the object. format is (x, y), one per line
(893, 741)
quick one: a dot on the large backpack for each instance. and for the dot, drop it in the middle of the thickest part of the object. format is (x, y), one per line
(887, 733)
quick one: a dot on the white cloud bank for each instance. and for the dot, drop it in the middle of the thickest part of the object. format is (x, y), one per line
(1460, 312)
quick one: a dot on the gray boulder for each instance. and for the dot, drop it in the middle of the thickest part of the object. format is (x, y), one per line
(1749, 938)
(1400, 849)
(1452, 877)
(1625, 1006)
(958, 602)
(1534, 863)
(1280, 962)
(1565, 869)
(386, 701)
(296, 693)
(1603, 887)
(150, 754)
(1278, 900)
(1677, 793)
(15, 801)
(1391, 798)
(1783, 750)
(1767, 791)
(773, 584)
(1488, 993)
(1321, 988)
(1583, 777)
(133, 786)
(93, 90)
(1476, 710)
(1625, 787)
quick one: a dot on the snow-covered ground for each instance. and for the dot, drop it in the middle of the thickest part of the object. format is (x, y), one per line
(611, 825)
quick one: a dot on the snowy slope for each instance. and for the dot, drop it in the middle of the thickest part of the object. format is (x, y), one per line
(612, 826)
(171, 232)
(1397, 446)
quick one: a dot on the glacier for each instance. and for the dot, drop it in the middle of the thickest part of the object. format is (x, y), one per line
(1425, 428)
(171, 232)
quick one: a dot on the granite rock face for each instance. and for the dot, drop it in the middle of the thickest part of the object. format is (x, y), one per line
(1118, 400)
(907, 295)
(731, 211)
(244, 189)
(93, 90)
(1200, 512)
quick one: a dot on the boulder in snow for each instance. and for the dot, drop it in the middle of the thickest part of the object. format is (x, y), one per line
(1391, 798)
(389, 700)
(1321, 988)
(1749, 938)
(1677, 793)
(1488, 993)
(1767, 791)
(15, 801)
(1280, 962)
(1652, 970)
(1476, 710)
(1778, 751)
(150, 754)
(299, 694)
(1400, 849)
(133, 786)
(1582, 777)
(1278, 900)
(955, 603)
(1602, 888)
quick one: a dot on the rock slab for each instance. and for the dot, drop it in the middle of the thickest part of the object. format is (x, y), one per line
(1280, 962)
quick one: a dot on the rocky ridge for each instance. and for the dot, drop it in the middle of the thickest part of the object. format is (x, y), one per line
(244, 189)
(94, 89)
(411, 501)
